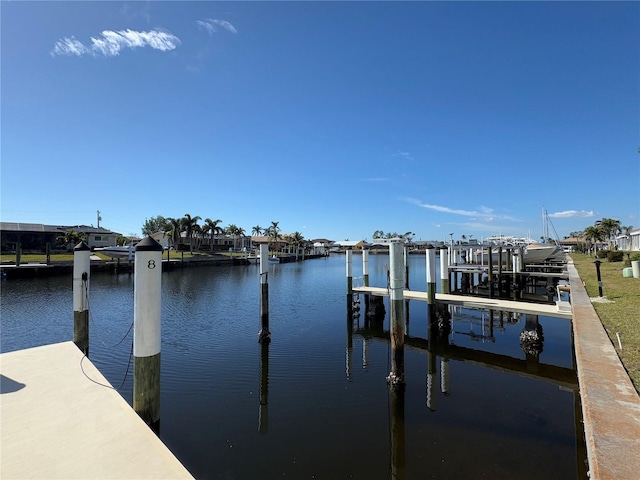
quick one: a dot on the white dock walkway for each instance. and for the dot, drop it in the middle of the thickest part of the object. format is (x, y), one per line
(475, 302)
(57, 424)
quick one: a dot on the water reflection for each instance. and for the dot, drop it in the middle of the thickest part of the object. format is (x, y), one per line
(263, 413)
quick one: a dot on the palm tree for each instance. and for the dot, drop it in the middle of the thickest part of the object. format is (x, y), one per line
(71, 238)
(273, 232)
(190, 225)
(610, 227)
(296, 239)
(211, 227)
(257, 230)
(593, 234)
(174, 229)
(234, 231)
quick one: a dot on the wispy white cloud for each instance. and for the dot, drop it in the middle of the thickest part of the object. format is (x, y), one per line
(572, 213)
(211, 25)
(486, 214)
(110, 43)
(404, 155)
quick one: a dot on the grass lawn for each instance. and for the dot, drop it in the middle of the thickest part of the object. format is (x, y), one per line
(622, 315)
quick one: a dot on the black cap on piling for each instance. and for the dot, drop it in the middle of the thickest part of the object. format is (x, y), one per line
(148, 245)
(82, 246)
(429, 246)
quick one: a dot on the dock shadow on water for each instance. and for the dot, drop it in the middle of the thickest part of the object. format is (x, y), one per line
(477, 401)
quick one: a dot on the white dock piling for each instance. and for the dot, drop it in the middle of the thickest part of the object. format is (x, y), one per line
(81, 277)
(147, 329)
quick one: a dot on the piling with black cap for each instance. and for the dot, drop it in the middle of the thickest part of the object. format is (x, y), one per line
(81, 274)
(396, 284)
(265, 334)
(147, 308)
(431, 275)
(349, 260)
(444, 271)
(365, 267)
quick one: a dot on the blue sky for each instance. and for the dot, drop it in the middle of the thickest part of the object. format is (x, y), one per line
(335, 119)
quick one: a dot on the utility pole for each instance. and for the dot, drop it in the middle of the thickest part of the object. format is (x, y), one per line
(99, 218)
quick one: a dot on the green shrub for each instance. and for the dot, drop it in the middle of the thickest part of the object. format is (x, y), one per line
(615, 256)
(635, 256)
(602, 253)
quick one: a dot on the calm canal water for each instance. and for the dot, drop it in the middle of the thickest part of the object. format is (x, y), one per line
(315, 402)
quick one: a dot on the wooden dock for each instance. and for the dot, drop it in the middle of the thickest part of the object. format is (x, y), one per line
(477, 302)
(58, 424)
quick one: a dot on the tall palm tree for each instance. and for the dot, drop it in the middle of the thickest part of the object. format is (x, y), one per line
(273, 232)
(174, 229)
(189, 227)
(233, 230)
(257, 230)
(593, 234)
(211, 227)
(610, 227)
(296, 240)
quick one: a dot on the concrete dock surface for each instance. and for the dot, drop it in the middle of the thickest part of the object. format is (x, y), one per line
(55, 423)
(610, 403)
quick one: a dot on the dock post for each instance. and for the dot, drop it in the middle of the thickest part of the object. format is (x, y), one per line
(444, 271)
(147, 307)
(365, 277)
(515, 269)
(490, 271)
(18, 253)
(48, 252)
(365, 267)
(396, 376)
(405, 257)
(349, 259)
(265, 334)
(431, 275)
(81, 275)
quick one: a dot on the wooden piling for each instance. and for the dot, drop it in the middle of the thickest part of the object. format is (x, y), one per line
(365, 267)
(147, 330)
(48, 252)
(396, 283)
(490, 271)
(405, 256)
(444, 271)
(81, 276)
(349, 260)
(265, 334)
(431, 275)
